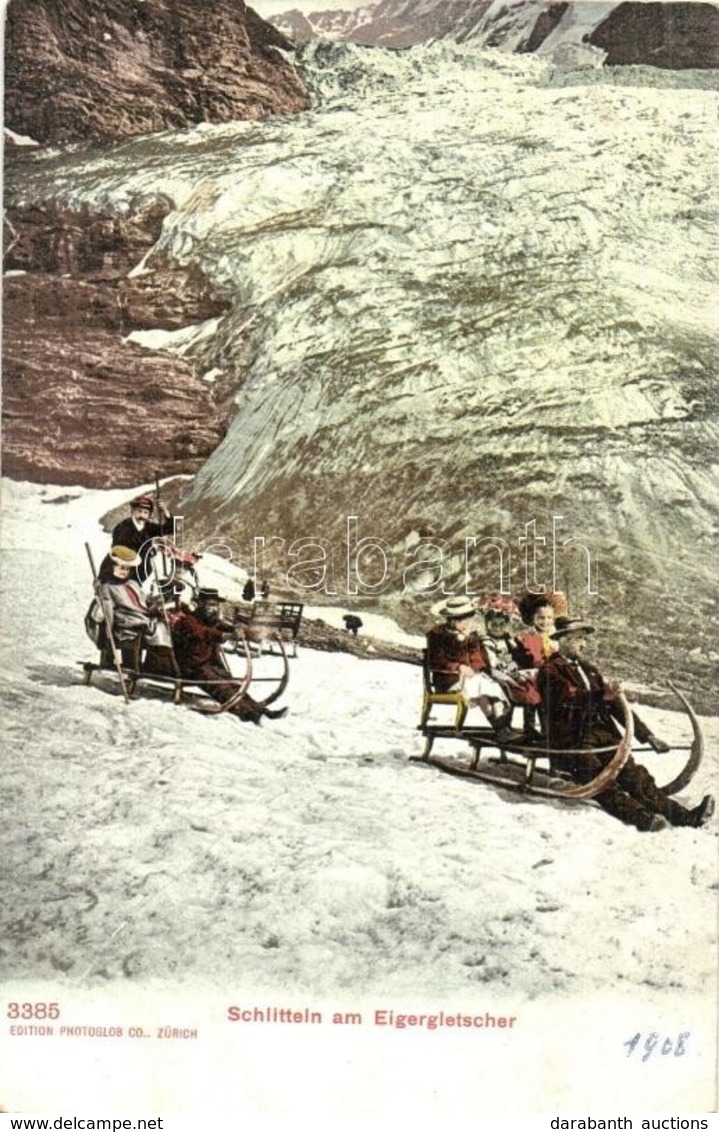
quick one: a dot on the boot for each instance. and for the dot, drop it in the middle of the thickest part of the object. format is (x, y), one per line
(701, 814)
(278, 714)
(502, 727)
(250, 711)
(657, 822)
(250, 717)
(531, 734)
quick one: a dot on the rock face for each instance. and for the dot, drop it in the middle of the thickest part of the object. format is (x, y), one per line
(81, 405)
(672, 35)
(85, 70)
(664, 35)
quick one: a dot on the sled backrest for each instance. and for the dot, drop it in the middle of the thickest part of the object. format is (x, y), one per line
(430, 697)
(264, 619)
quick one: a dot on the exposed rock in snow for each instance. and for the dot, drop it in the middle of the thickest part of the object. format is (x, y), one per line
(660, 34)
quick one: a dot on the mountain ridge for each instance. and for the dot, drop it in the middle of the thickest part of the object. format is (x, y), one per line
(662, 34)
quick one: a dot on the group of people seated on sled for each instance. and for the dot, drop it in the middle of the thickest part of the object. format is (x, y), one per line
(567, 705)
(182, 641)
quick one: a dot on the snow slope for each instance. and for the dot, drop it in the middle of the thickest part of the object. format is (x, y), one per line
(166, 864)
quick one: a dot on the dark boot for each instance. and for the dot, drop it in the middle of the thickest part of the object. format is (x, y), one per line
(531, 732)
(637, 781)
(278, 713)
(248, 716)
(701, 814)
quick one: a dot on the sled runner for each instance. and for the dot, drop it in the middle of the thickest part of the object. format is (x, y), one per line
(272, 640)
(513, 763)
(180, 689)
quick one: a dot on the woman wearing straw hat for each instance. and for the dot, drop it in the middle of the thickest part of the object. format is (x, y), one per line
(457, 662)
(129, 615)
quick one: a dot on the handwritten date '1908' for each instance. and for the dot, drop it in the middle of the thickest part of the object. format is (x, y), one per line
(652, 1042)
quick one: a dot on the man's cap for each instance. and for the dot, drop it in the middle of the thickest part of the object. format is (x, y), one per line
(563, 626)
(209, 595)
(124, 556)
(142, 501)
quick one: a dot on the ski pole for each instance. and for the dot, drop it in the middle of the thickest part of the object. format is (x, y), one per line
(166, 619)
(116, 655)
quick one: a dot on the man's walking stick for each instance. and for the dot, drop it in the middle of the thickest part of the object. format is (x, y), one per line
(116, 655)
(166, 619)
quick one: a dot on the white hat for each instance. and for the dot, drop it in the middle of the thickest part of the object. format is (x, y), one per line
(454, 608)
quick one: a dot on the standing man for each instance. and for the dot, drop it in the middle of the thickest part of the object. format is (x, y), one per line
(582, 710)
(137, 531)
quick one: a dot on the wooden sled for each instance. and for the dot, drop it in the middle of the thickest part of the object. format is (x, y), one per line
(181, 689)
(268, 622)
(513, 765)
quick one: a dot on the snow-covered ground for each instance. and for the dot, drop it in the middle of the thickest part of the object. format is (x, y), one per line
(161, 866)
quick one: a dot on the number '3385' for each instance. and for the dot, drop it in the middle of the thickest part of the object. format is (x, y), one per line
(33, 1010)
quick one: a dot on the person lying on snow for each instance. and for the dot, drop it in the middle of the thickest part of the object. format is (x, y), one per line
(458, 663)
(121, 607)
(197, 635)
(582, 710)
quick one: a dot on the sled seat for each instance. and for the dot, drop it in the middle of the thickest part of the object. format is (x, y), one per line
(477, 736)
(263, 620)
(180, 688)
(132, 675)
(134, 658)
(430, 728)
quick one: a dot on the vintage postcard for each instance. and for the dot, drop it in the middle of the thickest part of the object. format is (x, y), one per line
(358, 602)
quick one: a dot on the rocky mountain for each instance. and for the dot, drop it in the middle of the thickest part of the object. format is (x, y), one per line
(81, 403)
(85, 70)
(469, 323)
(337, 24)
(665, 35)
(662, 34)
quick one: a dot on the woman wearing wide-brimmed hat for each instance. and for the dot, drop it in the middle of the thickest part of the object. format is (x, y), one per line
(130, 618)
(457, 661)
